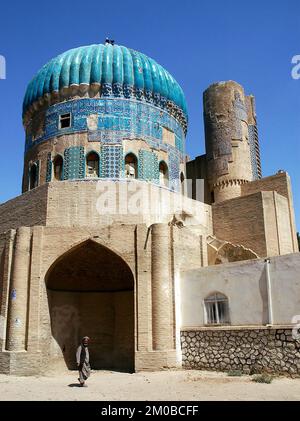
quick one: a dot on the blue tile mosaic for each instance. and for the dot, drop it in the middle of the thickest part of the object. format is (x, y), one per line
(117, 119)
(49, 168)
(111, 160)
(74, 163)
(148, 167)
(174, 169)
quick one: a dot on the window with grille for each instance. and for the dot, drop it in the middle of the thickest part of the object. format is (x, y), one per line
(216, 309)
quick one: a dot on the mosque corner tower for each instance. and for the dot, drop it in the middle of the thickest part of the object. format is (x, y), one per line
(232, 151)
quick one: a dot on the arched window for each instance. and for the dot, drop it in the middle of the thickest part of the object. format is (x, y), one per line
(182, 183)
(33, 176)
(163, 174)
(131, 166)
(216, 309)
(58, 167)
(92, 165)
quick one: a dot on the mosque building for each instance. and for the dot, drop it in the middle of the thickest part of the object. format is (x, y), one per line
(161, 260)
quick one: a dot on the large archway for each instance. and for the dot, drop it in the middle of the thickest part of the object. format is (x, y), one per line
(91, 293)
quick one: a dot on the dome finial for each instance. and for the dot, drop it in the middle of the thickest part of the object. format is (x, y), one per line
(109, 41)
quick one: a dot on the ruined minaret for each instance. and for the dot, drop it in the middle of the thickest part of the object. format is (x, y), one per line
(232, 151)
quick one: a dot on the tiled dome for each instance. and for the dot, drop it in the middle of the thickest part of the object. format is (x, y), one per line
(114, 70)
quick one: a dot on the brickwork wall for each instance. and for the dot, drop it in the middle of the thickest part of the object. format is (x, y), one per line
(77, 203)
(259, 221)
(131, 326)
(281, 183)
(241, 221)
(26, 210)
(227, 139)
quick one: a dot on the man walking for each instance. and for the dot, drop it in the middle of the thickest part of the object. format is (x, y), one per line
(83, 361)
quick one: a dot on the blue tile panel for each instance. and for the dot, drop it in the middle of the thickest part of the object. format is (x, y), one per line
(74, 163)
(174, 170)
(111, 161)
(148, 167)
(117, 119)
(49, 168)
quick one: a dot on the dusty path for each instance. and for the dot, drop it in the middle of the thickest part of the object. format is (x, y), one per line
(168, 385)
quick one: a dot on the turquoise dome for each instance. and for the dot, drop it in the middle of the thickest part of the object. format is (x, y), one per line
(120, 71)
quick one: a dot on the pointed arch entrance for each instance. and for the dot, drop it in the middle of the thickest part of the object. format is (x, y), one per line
(91, 293)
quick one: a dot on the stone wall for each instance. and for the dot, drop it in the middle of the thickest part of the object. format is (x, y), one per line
(249, 350)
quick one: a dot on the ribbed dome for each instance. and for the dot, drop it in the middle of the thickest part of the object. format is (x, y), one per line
(119, 70)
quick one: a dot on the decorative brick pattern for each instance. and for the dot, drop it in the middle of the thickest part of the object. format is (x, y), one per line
(240, 109)
(253, 153)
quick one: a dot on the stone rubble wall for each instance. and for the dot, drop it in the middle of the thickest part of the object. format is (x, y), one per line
(250, 351)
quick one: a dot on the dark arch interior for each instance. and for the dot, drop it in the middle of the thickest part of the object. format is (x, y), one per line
(92, 164)
(58, 167)
(163, 167)
(131, 163)
(90, 293)
(33, 176)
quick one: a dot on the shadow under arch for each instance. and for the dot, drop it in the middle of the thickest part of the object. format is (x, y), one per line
(90, 292)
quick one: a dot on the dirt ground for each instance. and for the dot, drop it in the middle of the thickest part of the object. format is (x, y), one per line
(166, 385)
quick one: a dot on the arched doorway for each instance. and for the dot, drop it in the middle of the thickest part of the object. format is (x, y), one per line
(91, 293)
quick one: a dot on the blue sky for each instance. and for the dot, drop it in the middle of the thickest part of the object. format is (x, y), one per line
(198, 41)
